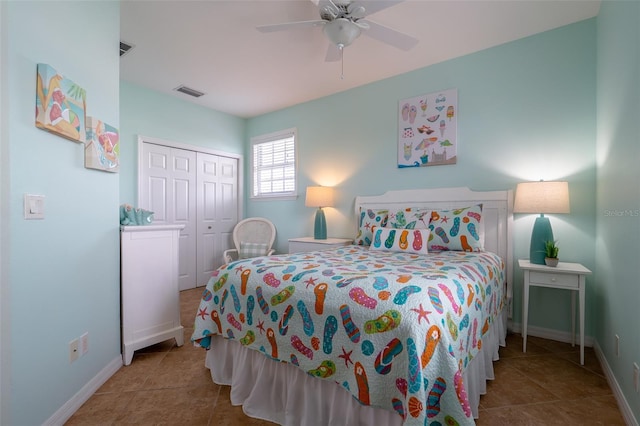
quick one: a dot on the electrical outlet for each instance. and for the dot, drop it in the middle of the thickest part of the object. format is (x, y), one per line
(636, 377)
(84, 343)
(74, 353)
(617, 345)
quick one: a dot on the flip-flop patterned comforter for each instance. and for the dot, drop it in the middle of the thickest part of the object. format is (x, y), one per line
(396, 330)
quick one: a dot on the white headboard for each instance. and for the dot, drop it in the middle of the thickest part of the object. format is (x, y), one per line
(497, 214)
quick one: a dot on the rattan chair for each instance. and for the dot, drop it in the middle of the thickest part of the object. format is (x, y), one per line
(252, 237)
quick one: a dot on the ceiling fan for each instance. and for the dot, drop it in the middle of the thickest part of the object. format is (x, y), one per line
(344, 20)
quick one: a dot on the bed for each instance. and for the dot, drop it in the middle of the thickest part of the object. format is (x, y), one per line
(378, 333)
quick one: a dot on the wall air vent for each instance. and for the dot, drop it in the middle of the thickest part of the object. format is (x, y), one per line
(125, 47)
(189, 91)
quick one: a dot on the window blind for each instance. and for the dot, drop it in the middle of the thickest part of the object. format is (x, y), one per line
(274, 166)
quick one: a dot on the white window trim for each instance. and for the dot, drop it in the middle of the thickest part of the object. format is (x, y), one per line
(282, 134)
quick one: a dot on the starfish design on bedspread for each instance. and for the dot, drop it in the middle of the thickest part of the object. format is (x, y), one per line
(202, 313)
(421, 313)
(239, 268)
(311, 282)
(346, 356)
(261, 326)
(444, 219)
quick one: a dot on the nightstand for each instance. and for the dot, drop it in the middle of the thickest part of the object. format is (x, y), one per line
(569, 276)
(297, 245)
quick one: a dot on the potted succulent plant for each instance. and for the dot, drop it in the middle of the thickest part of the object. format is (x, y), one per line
(551, 253)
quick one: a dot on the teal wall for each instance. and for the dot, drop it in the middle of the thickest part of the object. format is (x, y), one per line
(617, 293)
(527, 112)
(63, 272)
(151, 114)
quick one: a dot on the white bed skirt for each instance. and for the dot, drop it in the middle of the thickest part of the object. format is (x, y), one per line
(284, 394)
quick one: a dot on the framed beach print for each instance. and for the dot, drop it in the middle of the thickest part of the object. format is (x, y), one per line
(102, 148)
(60, 104)
(427, 129)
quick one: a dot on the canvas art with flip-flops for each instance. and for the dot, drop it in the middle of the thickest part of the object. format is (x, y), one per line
(427, 129)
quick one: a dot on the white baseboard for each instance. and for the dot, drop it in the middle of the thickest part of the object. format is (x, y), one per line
(65, 412)
(627, 413)
(547, 333)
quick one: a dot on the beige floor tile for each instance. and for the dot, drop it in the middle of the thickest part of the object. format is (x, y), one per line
(177, 406)
(101, 409)
(169, 385)
(180, 369)
(133, 376)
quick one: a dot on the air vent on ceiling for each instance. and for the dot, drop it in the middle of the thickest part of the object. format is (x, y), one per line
(125, 47)
(189, 91)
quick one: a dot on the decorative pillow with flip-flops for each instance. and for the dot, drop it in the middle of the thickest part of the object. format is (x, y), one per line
(457, 229)
(401, 240)
(410, 218)
(367, 219)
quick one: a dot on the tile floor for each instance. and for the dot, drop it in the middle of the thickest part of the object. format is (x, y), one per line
(169, 385)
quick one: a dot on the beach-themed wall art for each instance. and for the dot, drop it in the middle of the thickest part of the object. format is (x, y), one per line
(60, 104)
(102, 148)
(427, 129)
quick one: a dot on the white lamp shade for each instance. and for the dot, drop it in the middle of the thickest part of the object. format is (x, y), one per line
(319, 196)
(342, 32)
(542, 197)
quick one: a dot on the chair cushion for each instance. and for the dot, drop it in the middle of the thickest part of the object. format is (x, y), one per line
(248, 250)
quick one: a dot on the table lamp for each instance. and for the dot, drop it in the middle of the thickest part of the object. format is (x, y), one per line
(319, 196)
(541, 197)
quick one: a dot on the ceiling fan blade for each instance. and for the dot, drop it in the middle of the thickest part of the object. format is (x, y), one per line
(356, 11)
(390, 36)
(290, 26)
(333, 53)
(372, 7)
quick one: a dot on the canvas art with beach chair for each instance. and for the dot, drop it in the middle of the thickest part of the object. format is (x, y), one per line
(60, 104)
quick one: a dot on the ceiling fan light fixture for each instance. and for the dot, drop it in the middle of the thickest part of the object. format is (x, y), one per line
(341, 32)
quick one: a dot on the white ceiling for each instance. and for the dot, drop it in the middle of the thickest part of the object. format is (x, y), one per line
(213, 46)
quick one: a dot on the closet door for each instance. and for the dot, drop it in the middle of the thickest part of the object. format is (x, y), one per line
(169, 177)
(217, 207)
(197, 190)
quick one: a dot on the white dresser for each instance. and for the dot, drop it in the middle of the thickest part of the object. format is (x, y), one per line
(150, 296)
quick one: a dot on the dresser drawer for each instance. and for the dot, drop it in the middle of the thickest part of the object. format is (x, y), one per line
(551, 279)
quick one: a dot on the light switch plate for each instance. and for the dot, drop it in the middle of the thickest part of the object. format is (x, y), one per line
(33, 206)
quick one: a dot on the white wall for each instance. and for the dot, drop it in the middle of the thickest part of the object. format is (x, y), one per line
(63, 271)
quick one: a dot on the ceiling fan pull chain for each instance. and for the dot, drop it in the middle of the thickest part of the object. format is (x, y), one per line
(341, 63)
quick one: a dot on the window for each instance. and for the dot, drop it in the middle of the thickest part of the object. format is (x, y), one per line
(274, 165)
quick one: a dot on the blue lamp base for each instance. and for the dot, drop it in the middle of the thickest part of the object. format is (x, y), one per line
(320, 228)
(541, 234)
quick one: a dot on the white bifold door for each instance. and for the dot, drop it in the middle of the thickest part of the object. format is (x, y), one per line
(198, 190)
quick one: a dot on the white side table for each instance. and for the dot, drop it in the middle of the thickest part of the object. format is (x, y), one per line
(297, 245)
(569, 276)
